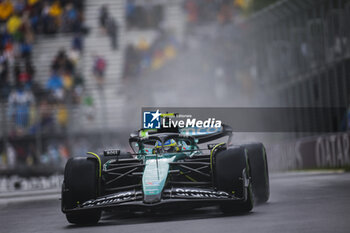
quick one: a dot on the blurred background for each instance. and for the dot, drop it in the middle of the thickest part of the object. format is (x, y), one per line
(74, 74)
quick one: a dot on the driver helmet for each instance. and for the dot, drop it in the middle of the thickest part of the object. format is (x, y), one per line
(170, 145)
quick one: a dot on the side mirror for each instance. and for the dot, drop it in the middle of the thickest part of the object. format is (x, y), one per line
(111, 152)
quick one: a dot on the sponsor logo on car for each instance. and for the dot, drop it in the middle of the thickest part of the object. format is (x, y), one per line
(112, 199)
(199, 193)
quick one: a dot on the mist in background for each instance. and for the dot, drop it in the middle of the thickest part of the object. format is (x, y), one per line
(76, 74)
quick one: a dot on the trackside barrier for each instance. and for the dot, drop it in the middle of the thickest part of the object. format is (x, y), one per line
(17, 183)
(325, 151)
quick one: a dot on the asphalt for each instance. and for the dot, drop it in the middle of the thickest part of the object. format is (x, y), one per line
(300, 202)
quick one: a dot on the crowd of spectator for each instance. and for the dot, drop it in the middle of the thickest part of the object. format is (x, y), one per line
(149, 56)
(32, 107)
(65, 85)
(20, 22)
(42, 16)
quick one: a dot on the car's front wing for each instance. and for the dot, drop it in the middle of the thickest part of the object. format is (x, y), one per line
(172, 196)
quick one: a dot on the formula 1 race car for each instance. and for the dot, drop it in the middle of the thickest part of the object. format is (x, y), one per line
(168, 169)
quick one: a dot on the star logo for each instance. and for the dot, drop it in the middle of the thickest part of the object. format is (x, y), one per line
(155, 115)
(151, 120)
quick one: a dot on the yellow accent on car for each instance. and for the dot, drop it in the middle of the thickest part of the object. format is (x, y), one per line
(99, 162)
(211, 154)
(188, 177)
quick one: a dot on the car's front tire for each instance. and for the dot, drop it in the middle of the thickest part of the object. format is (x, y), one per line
(81, 183)
(231, 174)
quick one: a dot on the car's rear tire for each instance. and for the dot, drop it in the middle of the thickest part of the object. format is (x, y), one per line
(81, 183)
(231, 172)
(259, 171)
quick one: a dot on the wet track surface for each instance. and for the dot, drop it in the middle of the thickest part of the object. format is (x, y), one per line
(298, 203)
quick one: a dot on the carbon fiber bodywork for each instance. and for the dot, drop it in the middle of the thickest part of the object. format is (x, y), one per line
(173, 196)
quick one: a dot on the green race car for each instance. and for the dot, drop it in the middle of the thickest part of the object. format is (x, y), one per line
(168, 169)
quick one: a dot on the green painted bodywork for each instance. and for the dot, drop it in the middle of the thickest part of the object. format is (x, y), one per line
(157, 167)
(155, 173)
